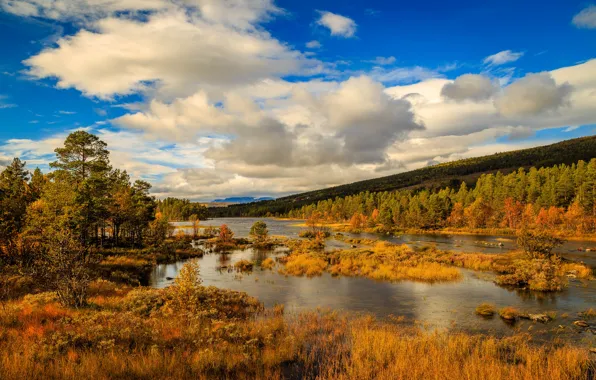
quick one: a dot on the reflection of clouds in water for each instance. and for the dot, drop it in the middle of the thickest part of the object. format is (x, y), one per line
(436, 304)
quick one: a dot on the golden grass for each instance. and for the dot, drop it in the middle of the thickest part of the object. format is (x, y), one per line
(268, 263)
(304, 264)
(509, 313)
(588, 314)
(485, 309)
(40, 339)
(577, 270)
(389, 262)
(244, 265)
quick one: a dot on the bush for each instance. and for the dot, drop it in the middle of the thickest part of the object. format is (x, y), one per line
(268, 263)
(509, 313)
(537, 244)
(485, 310)
(244, 266)
(259, 232)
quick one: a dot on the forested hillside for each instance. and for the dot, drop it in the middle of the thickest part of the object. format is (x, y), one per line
(434, 177)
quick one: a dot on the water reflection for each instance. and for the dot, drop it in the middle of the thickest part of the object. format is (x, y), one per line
(445, 305)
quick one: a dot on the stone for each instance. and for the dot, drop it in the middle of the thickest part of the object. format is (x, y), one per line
(582, 324)
(542, 318)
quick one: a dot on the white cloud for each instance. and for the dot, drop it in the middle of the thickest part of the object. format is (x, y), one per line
(586, 18)
(355, 123)
(383, 60)
(338, 25)
(503, 57)
(237, 13)
(313, 44)
(171, 52)
(533, 94)
(218, 118)
(469, 87)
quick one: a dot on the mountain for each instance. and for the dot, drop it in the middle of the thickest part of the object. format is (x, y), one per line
(242, 200)
(441, 175)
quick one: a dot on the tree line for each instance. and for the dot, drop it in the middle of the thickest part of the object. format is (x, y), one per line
(561, 197)
(449, 174)
(175, 209)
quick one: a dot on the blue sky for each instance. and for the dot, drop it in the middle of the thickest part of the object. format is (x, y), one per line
(259, 97)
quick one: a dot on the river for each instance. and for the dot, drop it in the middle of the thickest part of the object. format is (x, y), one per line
(442, 305)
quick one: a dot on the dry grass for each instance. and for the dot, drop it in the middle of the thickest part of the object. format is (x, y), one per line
(577, 270)
(485, 310)
(138, 337)
(304, 264)
(509, 313)
(268, 263)
(244, 265)
(389, 262)
(588, 314)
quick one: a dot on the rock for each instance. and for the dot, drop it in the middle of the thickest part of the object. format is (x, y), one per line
(542, 318)
(582, 324)
(354, 246)
(169, 278)
(588, 250)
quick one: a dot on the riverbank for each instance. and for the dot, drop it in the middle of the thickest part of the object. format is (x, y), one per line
(504, 232)
(192, 331)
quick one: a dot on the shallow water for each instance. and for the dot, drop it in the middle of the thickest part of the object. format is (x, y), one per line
(458, 243)
(440, 305)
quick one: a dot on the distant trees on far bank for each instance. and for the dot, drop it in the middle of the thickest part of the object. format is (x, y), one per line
(560, 198)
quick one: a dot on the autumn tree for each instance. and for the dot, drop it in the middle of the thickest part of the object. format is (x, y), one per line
(225, 234)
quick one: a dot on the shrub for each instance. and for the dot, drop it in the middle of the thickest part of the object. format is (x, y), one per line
(537, 244)
(485, 310)
(259, 232)
(509, 313)
(244, 266)
(64, 267)
(268, 263)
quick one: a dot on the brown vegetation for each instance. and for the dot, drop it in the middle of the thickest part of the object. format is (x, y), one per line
(485, 310)
(144, 333)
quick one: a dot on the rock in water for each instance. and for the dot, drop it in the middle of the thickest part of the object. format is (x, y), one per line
(582, 324)
(542, 318)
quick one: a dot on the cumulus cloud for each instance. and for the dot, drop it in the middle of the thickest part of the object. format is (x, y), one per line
(533, 94)
(338, 25)
(220, 116)
(353, 124)
(174, 52)
(586, 18)
(503, 57)
(472, 87)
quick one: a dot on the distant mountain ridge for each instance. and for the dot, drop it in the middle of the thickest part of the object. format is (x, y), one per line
(242, 200)
(441, 175)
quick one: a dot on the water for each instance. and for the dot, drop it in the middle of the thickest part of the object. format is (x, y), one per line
(443, 305)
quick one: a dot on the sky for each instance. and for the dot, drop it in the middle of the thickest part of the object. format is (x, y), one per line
(217, 98)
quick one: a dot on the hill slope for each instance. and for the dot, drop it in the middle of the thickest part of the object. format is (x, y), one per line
(451, 173)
